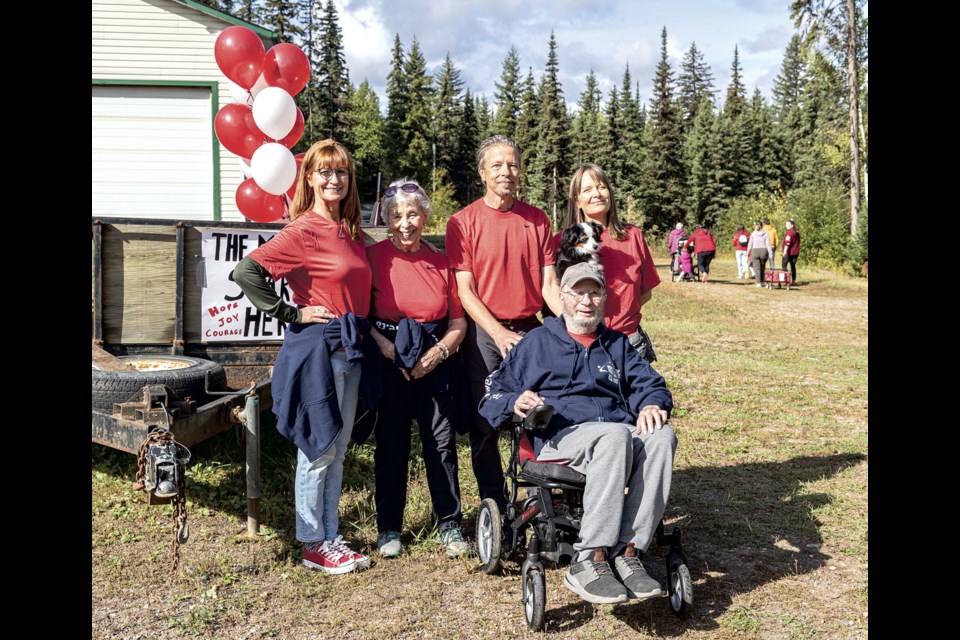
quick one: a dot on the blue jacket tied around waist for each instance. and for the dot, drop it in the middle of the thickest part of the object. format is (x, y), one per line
(609, 382)
(304, 393)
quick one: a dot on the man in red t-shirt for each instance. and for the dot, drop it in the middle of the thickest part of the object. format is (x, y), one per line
(503, 257)
(791, 250)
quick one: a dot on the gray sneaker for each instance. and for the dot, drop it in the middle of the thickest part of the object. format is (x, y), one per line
(453, 540)
(388, 544)
(634, 577)
(593, 580)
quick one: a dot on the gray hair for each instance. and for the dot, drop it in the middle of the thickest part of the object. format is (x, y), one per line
(495, 141)
(401, 197)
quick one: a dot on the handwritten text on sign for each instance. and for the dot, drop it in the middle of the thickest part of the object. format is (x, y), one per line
(227, 315)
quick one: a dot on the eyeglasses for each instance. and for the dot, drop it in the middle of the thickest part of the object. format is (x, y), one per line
(594, 296)
(409, 187)
(327, 174)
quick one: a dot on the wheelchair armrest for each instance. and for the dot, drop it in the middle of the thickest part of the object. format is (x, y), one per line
(537, 418)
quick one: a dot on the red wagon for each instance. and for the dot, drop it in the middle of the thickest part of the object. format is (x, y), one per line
(777, 277)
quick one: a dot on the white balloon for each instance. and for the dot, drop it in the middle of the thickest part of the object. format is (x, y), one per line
(245, 168)
(258, 86)
(239, 94)
(274, 167)
(274, 112)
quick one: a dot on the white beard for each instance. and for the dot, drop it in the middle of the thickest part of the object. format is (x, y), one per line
(582, 326)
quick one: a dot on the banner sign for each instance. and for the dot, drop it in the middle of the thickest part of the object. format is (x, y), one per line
(227, 315)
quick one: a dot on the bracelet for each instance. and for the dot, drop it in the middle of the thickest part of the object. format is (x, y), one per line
(444, 352)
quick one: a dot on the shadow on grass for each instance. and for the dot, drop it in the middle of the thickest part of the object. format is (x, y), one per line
(743, 526)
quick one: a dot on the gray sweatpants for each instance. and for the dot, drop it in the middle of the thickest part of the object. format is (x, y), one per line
(613, 456)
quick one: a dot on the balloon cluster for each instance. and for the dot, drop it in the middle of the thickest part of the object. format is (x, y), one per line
(263, 123)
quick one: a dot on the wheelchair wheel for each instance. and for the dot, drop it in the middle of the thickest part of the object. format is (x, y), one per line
(681, 588)
(534, 598)
(489, 535)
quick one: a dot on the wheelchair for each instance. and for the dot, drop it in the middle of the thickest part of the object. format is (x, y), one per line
(551, 514)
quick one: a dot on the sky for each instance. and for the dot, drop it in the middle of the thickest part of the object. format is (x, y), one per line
(603, 35)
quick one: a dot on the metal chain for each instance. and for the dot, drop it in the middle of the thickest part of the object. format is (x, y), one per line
(181, 531)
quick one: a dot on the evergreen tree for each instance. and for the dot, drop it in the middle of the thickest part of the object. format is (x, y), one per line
(663, 175)
(628, 186)
(481, 109)
(586, 124)
(767, 167)
(508, 95)
(416, 155)
(695, 84)
(788, 105)
(549, 167)
(397, 101)
(707, 194)
(367, 137)
(736, 101)
(610, 155)
(331, 110)
(820, 153)
(465, 176)
(448, 117)
(247, 10)
(526, 137)
(282, 16)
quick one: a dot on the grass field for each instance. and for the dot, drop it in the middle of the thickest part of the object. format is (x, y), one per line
(770, 490)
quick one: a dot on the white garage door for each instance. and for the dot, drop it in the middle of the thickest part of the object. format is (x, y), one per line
(152, 152)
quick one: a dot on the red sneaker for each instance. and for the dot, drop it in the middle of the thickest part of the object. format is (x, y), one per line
(327, 557)
(361, 561)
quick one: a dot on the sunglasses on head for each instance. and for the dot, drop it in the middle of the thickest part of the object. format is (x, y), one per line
(409, 187)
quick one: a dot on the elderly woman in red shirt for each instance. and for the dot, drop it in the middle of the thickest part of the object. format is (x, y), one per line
(418, 323)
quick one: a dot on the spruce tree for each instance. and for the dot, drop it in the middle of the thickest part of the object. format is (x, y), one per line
(736, 101)
(416, 156)
(767, 168)
(586, 124)
(611, 154)
(735, 133)
(706, 190)
(628, 186)
(397, 106)
(695, 84)
(481, 109)
(332, 107)
(549, 167)
(508, 95)
(526, 137)
(465, 176)
(367, 137)
(664, 177)
(788, 106)
(281, 16)
(448, 121)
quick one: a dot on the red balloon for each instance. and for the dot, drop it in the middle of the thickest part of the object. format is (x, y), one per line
(239, 54)
(237, 131)
(292, 191)
(258, 205)
(294, 136)
(286, 66)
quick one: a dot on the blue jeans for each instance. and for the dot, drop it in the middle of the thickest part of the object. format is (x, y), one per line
(318, 483)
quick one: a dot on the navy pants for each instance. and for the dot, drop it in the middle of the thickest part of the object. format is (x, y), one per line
(481, 357)
(402, 402)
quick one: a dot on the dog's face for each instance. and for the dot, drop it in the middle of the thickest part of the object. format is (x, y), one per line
(581, 241)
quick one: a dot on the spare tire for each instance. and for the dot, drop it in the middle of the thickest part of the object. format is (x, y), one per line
(184, 375)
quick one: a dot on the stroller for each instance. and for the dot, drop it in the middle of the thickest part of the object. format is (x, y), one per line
(551, 513)
(686, 269)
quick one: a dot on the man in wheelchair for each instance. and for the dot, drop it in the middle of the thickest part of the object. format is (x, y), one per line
(609, 423)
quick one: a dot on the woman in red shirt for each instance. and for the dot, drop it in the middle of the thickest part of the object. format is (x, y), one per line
(418, 323)
(627, 264)
(321, 254)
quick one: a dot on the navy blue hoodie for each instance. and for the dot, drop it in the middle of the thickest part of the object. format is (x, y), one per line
(609, 382)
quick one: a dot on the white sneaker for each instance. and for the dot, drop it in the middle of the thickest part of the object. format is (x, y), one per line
(361, 561)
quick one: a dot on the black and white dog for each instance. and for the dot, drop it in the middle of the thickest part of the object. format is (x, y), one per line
(580, 242)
